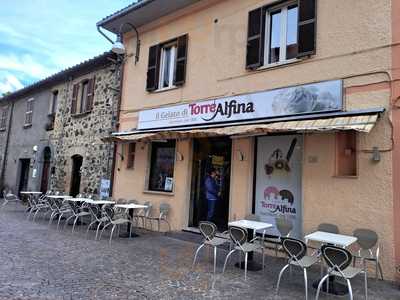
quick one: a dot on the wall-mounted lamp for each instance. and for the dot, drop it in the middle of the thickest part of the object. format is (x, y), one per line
(376, 154)
(118, 47)
(179, 156)
(240, 155)
(35, 149)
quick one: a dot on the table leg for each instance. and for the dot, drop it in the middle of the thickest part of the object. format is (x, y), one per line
(128, 227)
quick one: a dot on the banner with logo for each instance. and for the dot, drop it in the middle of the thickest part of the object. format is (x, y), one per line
(278, 181)
(311, 98)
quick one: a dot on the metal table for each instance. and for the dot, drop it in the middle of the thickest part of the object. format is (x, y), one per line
(129, 209)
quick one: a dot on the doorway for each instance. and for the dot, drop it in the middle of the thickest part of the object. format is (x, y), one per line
(77, 161)
(46, 168)
(24, 164)
(210, 181)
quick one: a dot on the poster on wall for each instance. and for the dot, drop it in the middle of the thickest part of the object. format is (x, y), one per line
(304, 99)
(278, 181)
(105, 188)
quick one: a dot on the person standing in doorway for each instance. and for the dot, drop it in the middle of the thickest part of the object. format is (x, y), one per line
(212, 193)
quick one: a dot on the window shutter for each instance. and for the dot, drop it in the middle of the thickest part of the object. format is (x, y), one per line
(181, 58)
(307, 27)
(90, 94)
(153, 68)
(74, 100)
(255, 39)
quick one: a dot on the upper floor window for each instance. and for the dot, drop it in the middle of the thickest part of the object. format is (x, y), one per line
(167, 64)
(3, 118)
(29, 111)
(82, 96)
(280, 33)
(162, 163)
(54, 102)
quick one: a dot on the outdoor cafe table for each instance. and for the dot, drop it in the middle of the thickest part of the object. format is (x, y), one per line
(339, 240)
(252, 227)
(130, 207)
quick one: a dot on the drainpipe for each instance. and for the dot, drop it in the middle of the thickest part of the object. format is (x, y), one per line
(4, 164)
(121, 77)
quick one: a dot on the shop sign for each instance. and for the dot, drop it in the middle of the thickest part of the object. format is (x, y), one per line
(311, 98)
(278, 181)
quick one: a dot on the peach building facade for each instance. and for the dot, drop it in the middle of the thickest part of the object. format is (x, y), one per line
(355, 45)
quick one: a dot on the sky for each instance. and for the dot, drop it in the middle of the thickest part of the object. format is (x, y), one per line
(41, 37)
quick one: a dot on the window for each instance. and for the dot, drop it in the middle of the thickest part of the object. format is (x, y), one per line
(162, 166)
(3, 118)
(29, 112)
(167, 64)
(54, 102)
(280, 33)
(346, 154)
(82, 97)
(130, 164)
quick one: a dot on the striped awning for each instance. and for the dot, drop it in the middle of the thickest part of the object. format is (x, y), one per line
(361, 123)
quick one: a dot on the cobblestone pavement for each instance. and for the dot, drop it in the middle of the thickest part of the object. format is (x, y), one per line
(41, 263)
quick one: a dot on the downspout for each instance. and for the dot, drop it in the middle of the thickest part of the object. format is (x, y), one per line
(121, 80)
(4, 164)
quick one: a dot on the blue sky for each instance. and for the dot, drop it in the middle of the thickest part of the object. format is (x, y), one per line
(41, 37)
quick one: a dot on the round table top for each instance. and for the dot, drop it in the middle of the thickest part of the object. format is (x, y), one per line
(59, 196)
(33, 193)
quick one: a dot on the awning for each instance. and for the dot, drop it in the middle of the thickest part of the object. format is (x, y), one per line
(360, 123)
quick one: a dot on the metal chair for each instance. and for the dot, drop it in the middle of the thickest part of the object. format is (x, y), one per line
(327, 227)
(209, 230)
(367, 240)
(339, 261)
(144, 214)
(285, 227)
(109, 214)
(296, 251)
(162, 217)
(8, 197)
(239, 236)
(78, 212)
(97, 217)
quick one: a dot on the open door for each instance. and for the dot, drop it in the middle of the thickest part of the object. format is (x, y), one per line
(46, 170)
(77, 161)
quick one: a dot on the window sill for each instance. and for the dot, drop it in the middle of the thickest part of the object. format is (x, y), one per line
(2, 129)
(166, 89)
(27, 126)
(280, 64)
(81, 115)
(345, 176)
(159, 193)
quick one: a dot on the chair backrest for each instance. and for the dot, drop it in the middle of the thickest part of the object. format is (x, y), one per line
(336, 257)
(366, 238)
(134, 201)
(284, 225)
(294, 248)
(164, 209)
(122, 201)
(208, 229)
(108, 211)
(238, 235)
(327, 227)
(148, 208)
(252, 217)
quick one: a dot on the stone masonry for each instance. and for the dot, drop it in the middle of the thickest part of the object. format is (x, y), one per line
(82, 133)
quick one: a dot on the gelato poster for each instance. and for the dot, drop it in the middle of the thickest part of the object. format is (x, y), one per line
(304, 99)
(278, 183)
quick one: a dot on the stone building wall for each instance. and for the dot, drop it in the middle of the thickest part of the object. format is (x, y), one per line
(81, 134)
(3, 141)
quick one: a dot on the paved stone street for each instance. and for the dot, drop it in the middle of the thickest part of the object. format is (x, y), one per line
(41, 263)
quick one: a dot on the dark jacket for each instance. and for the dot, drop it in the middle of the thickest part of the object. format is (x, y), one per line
(212, 188)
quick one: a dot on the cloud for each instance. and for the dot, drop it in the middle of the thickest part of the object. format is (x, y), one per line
(25, 64)
(10, 84)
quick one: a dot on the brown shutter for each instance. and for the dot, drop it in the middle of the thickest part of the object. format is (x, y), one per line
(255, 39)
(307, 27)
(90, 94)
(181, 58)
(74, 100)
(153, 68)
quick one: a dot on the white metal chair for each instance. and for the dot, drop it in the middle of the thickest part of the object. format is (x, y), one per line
(162, 217)
(296, 251)
(209, 230)
(338, 261)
